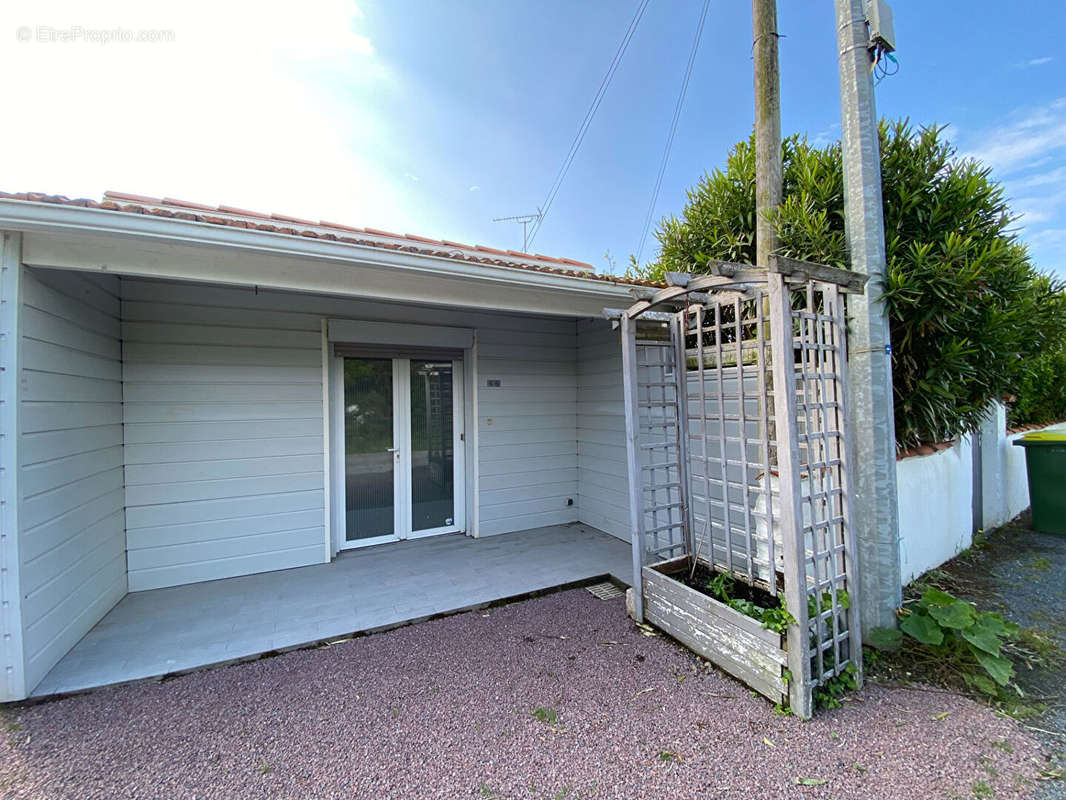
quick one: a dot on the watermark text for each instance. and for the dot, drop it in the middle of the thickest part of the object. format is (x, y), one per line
(79, 34)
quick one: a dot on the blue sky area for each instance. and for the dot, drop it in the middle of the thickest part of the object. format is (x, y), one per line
(433, 117)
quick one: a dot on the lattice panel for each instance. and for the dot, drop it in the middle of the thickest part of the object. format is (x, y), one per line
(731, 451)
(662, 471)
(820, 365)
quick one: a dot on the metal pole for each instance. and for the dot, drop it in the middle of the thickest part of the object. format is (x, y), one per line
(767, 127)
(870, 352)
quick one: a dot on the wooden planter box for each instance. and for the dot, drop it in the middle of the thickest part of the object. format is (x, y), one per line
(731, 640)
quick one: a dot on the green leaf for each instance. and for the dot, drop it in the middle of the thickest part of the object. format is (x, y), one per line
(810, 781)
(998, 667)
(887, 639)
(981, 683)
(985, 634)
(957, 614)
(935, 597)
(923, 628)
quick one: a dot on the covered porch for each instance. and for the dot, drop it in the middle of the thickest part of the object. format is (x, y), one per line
(174, 629)
(229, 437)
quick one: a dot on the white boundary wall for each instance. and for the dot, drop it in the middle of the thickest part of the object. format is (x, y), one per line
(936, 496)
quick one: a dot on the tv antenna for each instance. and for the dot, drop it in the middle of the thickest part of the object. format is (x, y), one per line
(526, 220)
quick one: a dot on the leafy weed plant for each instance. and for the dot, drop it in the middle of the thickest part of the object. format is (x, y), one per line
(951, 635)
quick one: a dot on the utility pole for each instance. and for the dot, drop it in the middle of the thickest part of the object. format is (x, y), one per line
(767, 127)
(869, 349)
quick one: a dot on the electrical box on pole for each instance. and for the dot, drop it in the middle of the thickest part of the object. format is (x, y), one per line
(879, 18)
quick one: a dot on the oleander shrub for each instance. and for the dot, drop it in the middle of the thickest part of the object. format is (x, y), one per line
(972, 319)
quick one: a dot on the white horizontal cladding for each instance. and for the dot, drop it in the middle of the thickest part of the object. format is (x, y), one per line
(601, 444)
(72, 541)
(147, 246)
(400, 334)
(12, 657)
(223, 418)
(224, 434)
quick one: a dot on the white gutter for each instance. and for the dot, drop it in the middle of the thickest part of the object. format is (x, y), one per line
(23, 215)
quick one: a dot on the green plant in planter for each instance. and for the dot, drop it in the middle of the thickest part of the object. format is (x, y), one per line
(969, 640)
(775, 618)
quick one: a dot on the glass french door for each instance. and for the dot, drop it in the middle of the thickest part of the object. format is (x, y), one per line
(402, 448)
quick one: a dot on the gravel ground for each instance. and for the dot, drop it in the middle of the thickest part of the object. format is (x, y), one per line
(445, 709)
(1023, 573)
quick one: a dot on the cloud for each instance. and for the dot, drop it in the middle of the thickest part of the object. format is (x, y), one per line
(1027, 153)
(475, 189)
(412, 178)
(1036, 62)
(826, 136)
(1029, 140)
(247, 104)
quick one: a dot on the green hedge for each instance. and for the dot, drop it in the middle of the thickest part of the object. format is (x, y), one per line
(971, 317)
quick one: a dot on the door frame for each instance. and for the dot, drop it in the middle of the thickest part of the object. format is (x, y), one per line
(458, 450)
(464, 429)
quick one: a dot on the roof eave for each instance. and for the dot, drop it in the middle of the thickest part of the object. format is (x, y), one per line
(22, 215)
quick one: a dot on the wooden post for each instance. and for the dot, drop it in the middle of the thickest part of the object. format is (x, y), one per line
(678, 327)
(767, 127)
(791, 512)
(636, 484)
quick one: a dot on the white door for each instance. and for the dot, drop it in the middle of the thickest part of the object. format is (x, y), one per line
(402, 443)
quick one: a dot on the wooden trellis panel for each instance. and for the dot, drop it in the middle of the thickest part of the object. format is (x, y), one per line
(734, 480)
(738, 455)
(818, 329)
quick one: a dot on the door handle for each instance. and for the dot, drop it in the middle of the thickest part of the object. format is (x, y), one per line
(393, 450)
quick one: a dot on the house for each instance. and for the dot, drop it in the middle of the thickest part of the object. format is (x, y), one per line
(224, 433)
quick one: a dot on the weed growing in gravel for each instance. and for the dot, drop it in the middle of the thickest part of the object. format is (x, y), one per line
(668, 756)
(10, 724)
(981, 790)
(548, 716)
(946, 634)
(828, 694)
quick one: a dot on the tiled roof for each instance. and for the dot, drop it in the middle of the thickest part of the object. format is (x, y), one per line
(229, 216)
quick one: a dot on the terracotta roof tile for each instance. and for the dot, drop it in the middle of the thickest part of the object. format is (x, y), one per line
(340, 227)
(577, 263)
(125, 203)
(242, 212)
(286, 218)
(414, 238)
(133, 198)
(377, 232)
(170, 201)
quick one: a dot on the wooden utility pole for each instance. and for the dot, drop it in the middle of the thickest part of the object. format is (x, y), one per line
(767, 127)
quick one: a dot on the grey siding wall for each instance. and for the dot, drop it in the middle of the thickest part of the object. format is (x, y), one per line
(601, 426)
(72, 553)
(223, 424)
(528, 426)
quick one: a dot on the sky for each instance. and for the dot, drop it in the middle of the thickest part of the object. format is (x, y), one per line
(435, 116)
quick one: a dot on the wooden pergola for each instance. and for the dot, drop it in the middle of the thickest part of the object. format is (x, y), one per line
(738, 460)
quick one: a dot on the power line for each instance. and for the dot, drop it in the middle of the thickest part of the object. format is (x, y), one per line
(587, 121)
(673, 129)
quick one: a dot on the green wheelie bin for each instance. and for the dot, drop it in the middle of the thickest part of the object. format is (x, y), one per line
(1045, 464)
